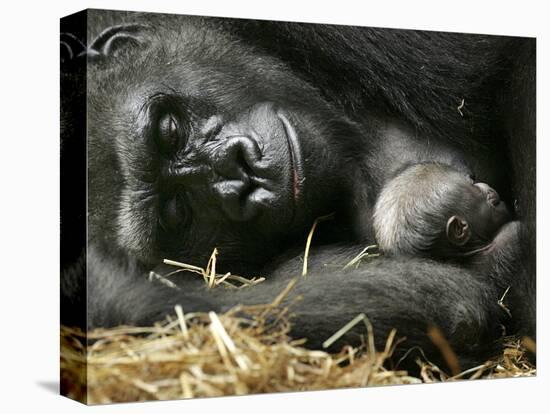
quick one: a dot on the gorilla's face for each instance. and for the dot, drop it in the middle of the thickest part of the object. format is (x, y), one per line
(197, 142)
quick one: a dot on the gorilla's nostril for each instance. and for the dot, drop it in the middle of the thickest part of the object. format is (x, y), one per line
(237, 158)
(212, 127)
(245, 163)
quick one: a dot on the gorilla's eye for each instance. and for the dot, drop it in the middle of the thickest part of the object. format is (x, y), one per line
(168, 134)
(173, 214)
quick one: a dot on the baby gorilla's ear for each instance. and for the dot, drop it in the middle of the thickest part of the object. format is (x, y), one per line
(458, 231)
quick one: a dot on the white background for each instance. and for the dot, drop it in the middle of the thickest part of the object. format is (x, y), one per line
(29, 188)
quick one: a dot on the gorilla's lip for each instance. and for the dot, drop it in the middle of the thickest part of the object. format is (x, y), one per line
(295, 155)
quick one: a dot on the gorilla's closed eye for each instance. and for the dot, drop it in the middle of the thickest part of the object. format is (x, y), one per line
(169, 121)
(169, 134)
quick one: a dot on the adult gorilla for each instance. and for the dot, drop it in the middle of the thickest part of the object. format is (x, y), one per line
(235, 134)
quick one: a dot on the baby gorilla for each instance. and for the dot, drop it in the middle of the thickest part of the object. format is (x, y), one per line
(433, 210)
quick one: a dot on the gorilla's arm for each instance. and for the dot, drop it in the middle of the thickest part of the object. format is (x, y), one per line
(409, 295)
(119, 293)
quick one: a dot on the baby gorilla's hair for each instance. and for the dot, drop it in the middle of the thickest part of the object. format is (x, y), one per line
(412, 209)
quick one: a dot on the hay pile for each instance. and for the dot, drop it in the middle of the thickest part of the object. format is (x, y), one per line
(244, 351)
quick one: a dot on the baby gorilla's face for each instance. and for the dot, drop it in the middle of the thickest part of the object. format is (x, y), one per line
(436, 210)
(484, 211)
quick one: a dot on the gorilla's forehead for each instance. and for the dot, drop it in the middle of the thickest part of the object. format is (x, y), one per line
(191, 57)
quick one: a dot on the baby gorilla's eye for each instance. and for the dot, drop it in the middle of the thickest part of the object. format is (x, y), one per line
(168, 134)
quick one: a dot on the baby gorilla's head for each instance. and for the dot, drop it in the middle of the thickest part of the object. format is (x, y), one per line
(434, 210)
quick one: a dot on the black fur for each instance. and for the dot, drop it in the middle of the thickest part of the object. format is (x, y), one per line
(380, 98)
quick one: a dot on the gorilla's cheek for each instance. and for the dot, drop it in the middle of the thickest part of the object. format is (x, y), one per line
(136, 224)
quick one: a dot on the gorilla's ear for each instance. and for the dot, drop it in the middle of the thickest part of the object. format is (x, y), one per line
(458, 231)
(116, 39)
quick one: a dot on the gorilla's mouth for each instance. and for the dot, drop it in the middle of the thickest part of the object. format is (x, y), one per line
(295, 155)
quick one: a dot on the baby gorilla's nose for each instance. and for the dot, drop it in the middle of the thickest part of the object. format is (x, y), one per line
(492, 196)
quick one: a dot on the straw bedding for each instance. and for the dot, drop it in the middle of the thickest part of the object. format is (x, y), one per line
(245, 351)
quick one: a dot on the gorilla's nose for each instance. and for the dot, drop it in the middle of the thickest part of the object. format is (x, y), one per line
(237, 157)
(234, 166)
